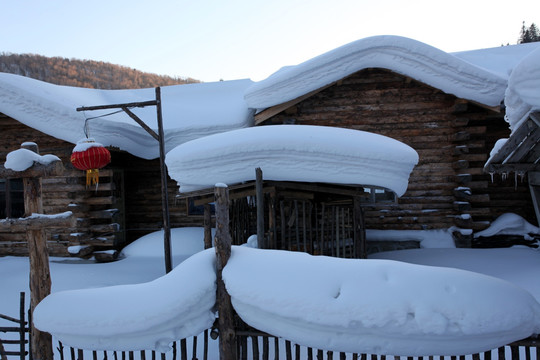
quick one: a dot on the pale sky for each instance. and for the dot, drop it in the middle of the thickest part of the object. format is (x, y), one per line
(211, 40)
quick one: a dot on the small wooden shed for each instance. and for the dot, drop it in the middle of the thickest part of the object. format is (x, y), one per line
(317, 218)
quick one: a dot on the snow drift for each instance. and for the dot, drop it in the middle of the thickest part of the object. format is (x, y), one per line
(293, 153)
(135, 317)
(376, 306)
(367, 306)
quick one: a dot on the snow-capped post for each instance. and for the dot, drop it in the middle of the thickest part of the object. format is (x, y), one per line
(260, 208)
(227, 336)
(34, 222)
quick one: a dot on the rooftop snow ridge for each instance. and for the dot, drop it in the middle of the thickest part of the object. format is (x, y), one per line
(401, 55)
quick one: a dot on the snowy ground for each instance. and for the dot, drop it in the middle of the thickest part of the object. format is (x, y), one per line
(143, 262)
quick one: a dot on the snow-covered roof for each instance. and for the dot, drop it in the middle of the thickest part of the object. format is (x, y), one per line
(405, 56)
(523, 93)
(302, 153)
(189, 112)
(499, 60)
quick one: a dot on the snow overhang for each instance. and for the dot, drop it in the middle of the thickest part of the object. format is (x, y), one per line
(401, 55)
(189, 111)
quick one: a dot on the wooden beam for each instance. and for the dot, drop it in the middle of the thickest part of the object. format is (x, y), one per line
(274, 110)
(118, 106)
(54, 168)
(141, 123)
(525, 146)
(502, 168)
(513, 142)
(39, 221)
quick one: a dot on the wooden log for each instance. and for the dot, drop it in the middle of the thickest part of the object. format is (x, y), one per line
(207, 226)
(39, 221)
(37, 170)
(260, 209)
(227, 337)
(40, 276)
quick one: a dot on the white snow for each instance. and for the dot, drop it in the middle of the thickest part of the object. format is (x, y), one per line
(177, 305)
(376, 306)
(293, 153)
(509, 224)
(376, 299)
(85, 144)
(22, 159)
(523, 95)
(185, 242)
(401, 55)
(189, 111)
(500, 60)
(438, 238)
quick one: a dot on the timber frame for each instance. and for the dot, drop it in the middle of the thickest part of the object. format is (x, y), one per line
(453, 138)
(322, 219)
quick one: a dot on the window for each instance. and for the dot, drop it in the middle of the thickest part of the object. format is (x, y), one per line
(378, 195)
(11, 198)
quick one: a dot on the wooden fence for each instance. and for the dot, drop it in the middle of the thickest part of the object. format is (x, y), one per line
(15, 345)
(193, 348)
(255, 345)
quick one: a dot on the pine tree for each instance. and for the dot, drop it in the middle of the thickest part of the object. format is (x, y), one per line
(530, 34)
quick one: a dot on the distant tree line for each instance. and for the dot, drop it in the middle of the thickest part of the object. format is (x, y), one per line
(84, 73)
(529, 34)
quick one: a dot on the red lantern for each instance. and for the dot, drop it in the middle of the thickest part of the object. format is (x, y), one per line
(90, 156)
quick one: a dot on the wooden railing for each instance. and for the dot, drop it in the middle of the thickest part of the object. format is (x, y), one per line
(15, 345)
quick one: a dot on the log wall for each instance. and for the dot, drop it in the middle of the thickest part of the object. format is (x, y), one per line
(453, 138)
(125, 206)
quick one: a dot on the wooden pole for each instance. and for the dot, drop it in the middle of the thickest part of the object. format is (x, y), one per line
(207, 226)
(227, 337)
(164, 191)
(260, 208)
(359, 229)
(40, 276)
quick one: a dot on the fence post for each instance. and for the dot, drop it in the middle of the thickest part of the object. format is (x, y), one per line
(260, 209)
(22, 325)
(227, 336)
(40, 276)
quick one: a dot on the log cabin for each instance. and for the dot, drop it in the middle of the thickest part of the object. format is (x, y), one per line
(448, 107)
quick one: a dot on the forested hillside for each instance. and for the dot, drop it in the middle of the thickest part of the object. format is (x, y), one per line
(83, 73)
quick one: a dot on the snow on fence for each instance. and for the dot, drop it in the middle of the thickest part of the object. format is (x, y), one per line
(14, 345)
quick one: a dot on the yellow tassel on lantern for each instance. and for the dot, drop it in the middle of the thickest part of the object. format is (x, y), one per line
(92, 177)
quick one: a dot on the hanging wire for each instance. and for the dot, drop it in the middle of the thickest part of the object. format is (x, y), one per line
(86, 129)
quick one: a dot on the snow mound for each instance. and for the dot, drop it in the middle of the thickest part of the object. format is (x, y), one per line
(22, 159)
(189, 111)
(509, 224)
(293, 153)
(135, 317)
(185, 242)
(401, 55)
(437, 238)
(376, 306)
(522, 95)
